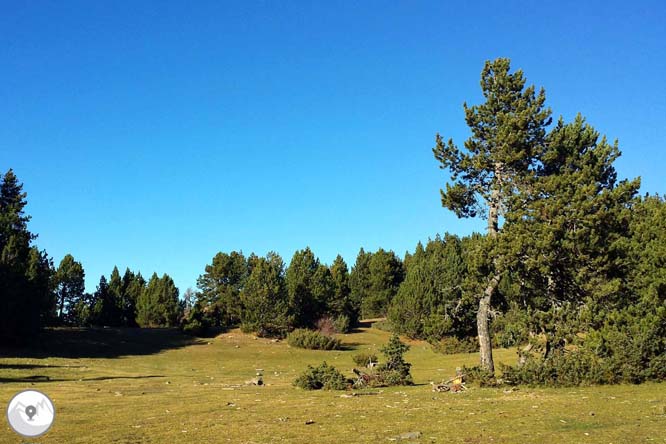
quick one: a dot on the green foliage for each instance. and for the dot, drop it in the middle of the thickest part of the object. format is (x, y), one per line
(26, 296)
(430, 303)
(374, 281)
(479, 376)
(312, 340)
(342, 323)
(383, 325)
(70, 287)
(342, 304)
(220, 287)
(364, 359)
(324, 377)
(395, 370)
(449, 345)
(310, 288)
(511, 328)
(492, 174)
(195, 323)
(386, 275)
(265, 306)
(158, 304)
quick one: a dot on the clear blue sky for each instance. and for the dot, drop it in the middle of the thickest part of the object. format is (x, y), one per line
(155, 134)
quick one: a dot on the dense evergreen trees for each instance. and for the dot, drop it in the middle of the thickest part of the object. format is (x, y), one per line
(220, 288)
(157, 305)
(25, 272)
(265, 304)
(429, 303)
(374, 281)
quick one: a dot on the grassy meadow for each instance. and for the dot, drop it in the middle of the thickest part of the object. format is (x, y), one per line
(157, 386)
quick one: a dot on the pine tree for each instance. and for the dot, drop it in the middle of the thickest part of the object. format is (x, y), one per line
(359, 279)
(429, 303)
(220, 287)
(386, 273)
(305, 306)
(158, 304)
(568, 239)
(341, 302)
(70, 287)
(132, 287)
(100, 303)
(24, 271)
(265, 305)
(508, 133)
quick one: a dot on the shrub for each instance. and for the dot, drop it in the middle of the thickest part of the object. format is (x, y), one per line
(395, 371)
(363, 359)
(449, 345)
(384, 325)
(342, 324)
(323, 377)
(312, 340)
(194, 327)
(630, 347)
(196, 323)
(479, 376)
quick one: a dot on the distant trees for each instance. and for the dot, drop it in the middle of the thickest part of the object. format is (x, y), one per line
(307, 289)
(157, 305)
(374, 281)
(265, 304)
(429, 303)
(220, 287)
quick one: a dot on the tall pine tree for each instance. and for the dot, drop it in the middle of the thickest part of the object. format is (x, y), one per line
(508, 134)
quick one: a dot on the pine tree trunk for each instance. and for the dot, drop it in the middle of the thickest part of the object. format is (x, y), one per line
(483, 315)
(483, 327)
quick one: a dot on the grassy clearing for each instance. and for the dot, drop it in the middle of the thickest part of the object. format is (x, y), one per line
(142, 386)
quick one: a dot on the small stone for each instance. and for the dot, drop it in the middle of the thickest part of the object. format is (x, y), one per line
(309, 421)
(592, 413)
(409, 435)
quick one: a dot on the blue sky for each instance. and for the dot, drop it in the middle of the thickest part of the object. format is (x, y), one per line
(155, 134)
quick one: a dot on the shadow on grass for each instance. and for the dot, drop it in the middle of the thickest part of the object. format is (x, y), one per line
(350, 346)
(6, 366)
(44, 378)
(98, 343)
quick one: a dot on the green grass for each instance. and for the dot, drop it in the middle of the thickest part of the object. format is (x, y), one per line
(143, 386)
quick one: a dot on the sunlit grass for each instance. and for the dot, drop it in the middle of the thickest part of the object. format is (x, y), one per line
(194, 392)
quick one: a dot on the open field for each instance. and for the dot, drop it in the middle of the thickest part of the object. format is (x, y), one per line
(143, 386)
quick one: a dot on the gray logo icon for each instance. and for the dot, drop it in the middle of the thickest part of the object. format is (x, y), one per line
(30, 413)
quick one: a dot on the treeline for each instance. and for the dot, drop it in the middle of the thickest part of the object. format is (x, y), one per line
(263, 295)
(34, 293)
(119, 301)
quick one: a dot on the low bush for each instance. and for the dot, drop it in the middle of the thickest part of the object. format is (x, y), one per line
(384, 325)
(449, 345)
(324, 377)
(479, 376)
(630, 347)
(312, 340)
(342, 324)
(395, 371)
(364, 359)
(194, 327)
